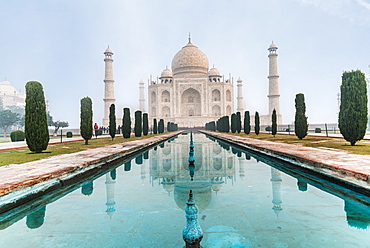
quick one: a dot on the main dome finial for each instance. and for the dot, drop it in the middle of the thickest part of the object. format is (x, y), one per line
(189, 38)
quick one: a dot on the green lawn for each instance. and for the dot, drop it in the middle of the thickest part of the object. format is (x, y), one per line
(19, 156)
(361, 147)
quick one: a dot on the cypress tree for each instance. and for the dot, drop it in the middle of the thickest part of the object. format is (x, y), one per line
(161, 126)
(233, 123)
(36, 127)
(169, 127)
(145, 124)
(257, 123)
(247, 122)
(353, 106)
(227, 124)
(126, 123)
(112, 121)
(86, 119)
(238, 122)
(138, 123)
(155, 126)
(300, 122)
(274, 123)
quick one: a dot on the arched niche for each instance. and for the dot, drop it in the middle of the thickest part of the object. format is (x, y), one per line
(228, 95)
(216, 110)
(153, 112)
(166, 111)
(228, 110)
(165, 96)
(216, 95)
(153, 97)
(190, 103)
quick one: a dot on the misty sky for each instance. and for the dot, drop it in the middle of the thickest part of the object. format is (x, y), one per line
(60, 43)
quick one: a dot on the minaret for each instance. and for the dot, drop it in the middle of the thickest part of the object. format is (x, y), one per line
(142, 97)
(276, 190)
(109, 183)
(240, 107)
(273, 82)
(109, 89)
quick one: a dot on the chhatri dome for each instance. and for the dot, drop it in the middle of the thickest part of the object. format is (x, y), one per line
(190, 59)
(167, 73)
(214, 72)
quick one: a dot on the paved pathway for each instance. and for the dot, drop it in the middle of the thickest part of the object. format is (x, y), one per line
(22, 144)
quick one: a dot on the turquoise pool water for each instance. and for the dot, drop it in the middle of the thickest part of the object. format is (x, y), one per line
(243, 202)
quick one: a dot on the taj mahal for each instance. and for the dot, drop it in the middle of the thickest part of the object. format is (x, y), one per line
(191, 93)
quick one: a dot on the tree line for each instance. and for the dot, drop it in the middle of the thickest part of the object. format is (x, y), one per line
(141, 122)
(352, 120)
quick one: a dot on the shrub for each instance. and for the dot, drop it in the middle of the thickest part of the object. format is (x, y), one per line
(145, 124)
(247, 124)
(233, 123)
(161, 126)
(238, 122)
(257, 123)
(126, 125)
(274, 123)
(300, 121)
(138, 123)
(36, 127)
(353, 106)
(69, 134)
(17, 136)
(155, 126)
(268, 129)
(98, 132)
(86, 122)
(317, 130)
(112, 121)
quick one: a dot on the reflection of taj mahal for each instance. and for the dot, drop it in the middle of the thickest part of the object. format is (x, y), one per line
(190, 94)
(213, 167)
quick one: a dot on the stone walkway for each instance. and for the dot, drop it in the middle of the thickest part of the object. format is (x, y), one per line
(351, 168)
(23, 181)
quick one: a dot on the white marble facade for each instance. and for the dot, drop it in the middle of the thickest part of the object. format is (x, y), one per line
(190, 94)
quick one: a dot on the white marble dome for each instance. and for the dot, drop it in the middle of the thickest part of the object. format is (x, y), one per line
(7, 89)
(167, 73)
(214, 72)
(190, 59)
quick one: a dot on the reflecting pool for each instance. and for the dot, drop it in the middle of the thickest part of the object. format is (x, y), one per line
(244, 200)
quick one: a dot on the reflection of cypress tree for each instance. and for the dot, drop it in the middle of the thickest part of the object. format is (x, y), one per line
(239, 154)
(302, 185)
(139, 159)
(234, 150)
(87, 188)
(155, 148)
(146, 155)
(128, 166)
(113, 174)
(356, 216)
(247, 157)
(161, 145)
(36, 219)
